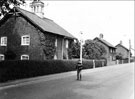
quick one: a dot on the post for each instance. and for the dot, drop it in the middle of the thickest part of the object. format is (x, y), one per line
(129, 51)
(122, 61)
(102, 63)
(81, 47)
(117, 61)
(93, 63)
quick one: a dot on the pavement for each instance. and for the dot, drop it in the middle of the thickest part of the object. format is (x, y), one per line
(111, 82)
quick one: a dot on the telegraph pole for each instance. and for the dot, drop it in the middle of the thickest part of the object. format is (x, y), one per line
(81, 47)
(129, 51)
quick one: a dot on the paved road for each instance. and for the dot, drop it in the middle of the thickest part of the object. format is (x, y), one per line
(112, 82)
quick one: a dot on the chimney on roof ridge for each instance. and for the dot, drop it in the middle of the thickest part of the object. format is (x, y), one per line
(120, 42)
(101, 36)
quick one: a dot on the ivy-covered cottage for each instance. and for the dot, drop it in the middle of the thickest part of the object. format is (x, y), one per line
(122, 50)
(28, 35)
(110, 49)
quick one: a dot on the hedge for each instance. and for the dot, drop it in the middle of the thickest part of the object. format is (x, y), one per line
(12, 70)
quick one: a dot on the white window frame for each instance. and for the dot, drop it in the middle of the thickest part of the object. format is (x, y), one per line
(25, 42)
(3, 41)
(67, 43)
(24, 56)
(1, 55)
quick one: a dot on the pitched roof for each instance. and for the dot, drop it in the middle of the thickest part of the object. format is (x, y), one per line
(122, 46)
(45, 24)
(105, 42)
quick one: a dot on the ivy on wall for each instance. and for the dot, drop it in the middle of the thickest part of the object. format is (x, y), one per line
(70, 49)
(48, 45)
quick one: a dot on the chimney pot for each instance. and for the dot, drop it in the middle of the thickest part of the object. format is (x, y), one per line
(101, 36)
(121, 42)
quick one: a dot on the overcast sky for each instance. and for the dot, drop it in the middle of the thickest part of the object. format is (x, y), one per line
(115, 19)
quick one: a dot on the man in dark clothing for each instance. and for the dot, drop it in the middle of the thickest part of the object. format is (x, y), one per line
(79, 68)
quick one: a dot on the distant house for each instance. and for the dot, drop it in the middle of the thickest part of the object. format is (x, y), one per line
(28, 35)
(110, 49)
(122, 50)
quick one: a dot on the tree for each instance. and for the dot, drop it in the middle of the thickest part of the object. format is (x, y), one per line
(74, 51)
(93, 50)
(119, 56)
(5, 5)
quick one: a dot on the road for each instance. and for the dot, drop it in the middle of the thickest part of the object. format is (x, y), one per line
(111, 82)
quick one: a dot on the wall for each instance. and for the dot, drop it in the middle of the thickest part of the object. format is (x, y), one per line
(108, 54)
(123, 51)
(14, 28)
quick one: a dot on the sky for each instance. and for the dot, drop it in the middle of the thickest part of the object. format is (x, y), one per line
(114, 19)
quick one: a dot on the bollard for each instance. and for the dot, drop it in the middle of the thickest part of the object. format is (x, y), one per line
(117, 61)
(93, 63)
(122, 61)
(102, 63)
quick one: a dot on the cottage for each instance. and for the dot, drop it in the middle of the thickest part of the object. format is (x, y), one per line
(110, 49)
(122, 50)
(28, 35)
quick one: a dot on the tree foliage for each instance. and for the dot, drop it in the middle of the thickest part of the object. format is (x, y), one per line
(75, 49)
(5, 5)
(93, 50)
(119, 56)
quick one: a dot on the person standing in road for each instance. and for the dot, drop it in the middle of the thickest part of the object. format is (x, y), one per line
(79, 69)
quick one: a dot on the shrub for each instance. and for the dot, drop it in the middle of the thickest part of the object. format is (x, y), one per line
(12, 70)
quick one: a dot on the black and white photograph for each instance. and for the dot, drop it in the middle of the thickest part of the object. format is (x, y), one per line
(67, 49)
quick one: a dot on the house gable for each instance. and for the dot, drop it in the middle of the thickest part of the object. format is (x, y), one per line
(104, 42)
(45, 24)
(14, 28)
(123, 50)
(21, 26)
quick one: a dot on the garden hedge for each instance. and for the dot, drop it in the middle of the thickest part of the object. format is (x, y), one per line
(12, 70)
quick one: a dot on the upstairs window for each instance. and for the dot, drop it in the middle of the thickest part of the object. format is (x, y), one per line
(3, 41)
(110, 50)
(24, 57)
(2, 57)
(25, 40)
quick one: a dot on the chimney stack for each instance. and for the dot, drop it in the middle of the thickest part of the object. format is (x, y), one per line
(120, 42)
(101, 36)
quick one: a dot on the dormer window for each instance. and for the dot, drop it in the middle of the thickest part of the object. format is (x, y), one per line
(3, 41)
(25, 40)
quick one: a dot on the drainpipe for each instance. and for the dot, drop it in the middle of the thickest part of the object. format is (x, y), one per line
(129, 51)
(62, 46)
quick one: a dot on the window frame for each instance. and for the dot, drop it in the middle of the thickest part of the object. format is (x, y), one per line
(23, 42)
(24, 55)
(2, 55)
(3, 42)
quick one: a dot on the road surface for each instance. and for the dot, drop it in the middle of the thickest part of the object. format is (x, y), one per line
(111, 82)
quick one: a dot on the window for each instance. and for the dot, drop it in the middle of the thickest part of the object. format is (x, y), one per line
(3, 41)
(66, 43)
(2, 57)
(25, 57)
(111, 50)
(25, 40)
